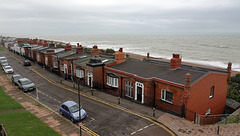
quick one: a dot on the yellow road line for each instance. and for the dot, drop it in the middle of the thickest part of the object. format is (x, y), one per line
(111, 105)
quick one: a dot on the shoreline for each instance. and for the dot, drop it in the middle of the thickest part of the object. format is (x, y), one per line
(141, 57)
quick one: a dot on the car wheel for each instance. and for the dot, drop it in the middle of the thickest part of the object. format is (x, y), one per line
(60, 112)
(72, 120)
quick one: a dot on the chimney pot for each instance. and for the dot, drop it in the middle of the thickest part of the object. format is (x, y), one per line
(175, 62)
(148, 55)
(121, 49)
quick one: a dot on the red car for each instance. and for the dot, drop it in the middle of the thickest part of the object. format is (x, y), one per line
(27, 63)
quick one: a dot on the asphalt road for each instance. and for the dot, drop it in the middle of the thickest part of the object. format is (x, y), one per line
(102, 119)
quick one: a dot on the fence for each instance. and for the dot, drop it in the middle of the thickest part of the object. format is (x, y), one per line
(2, 131)
(217, 119)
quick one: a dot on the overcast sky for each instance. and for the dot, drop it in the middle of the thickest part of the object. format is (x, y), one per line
(120, 16)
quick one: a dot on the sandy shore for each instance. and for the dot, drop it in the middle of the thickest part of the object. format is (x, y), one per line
(140, 57)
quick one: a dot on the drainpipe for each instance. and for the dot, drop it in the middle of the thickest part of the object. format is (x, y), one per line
(154, 93)
(121, 86)
(103, 87)
(72, 69)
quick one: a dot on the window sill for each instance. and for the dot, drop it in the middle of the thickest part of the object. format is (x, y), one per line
(166, 102)
(112, 86)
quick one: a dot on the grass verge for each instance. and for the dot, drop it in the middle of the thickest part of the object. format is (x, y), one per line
(21, 123)
(25, 124)
(7, 103)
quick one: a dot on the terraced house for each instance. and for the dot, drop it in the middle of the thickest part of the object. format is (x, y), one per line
(180, 89)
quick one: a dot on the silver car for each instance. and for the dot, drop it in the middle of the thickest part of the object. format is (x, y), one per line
(8, 69)
(26, 85)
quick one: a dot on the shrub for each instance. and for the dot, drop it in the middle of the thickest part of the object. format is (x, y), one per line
(110, 51)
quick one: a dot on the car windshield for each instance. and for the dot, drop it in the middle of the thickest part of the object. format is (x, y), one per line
(8, 68)
(74, 108)
(17, 77)
(26, 82)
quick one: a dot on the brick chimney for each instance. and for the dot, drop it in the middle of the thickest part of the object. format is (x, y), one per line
(187, 88)
(79, 48)
(148, 56)
(68, 47)
(40, 43)
(35, 41)
(175, 62)
(120, 56)
(229, 70)
(95, 51)
(45, 44)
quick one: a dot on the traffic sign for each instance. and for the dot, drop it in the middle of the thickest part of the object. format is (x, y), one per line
(80, 124)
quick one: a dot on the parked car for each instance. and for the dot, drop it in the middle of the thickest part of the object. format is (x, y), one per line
(70, 110)
(26, 85)
(8, 69)
(26, 63)
(3, 61)
(15, 78)
(4, 64)
(3, 58)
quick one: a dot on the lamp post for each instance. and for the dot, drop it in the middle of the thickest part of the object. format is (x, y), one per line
(79, 107)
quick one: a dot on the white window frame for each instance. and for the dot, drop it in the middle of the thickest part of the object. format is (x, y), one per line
(112, 81)
(65, 69)
(128, 89)
(55, 64)
(62, 66)
(211, 92)
(79, 73)
(46, 60)
(164, 96)
(38, 58)
(139, 84)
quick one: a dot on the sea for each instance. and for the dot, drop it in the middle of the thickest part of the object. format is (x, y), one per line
(210, 50)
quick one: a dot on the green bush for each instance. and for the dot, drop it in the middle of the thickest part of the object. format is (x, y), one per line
(234, 88)
(110, 51)
(87, 49)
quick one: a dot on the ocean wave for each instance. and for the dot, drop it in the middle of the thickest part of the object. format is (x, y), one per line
(235, 66)
(221, 46)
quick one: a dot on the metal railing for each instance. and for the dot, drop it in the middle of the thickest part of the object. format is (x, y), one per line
(217, 119)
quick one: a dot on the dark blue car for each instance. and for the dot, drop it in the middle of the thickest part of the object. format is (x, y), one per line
(70, 110)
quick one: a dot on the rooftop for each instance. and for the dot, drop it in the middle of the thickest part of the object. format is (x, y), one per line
(161, 70)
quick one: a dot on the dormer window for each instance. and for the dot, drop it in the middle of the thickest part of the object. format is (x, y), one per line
(112, 80)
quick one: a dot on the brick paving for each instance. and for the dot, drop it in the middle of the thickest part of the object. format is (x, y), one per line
(184, 127)
(55, 121)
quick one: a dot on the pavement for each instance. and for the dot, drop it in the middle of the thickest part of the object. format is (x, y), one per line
(53, 119)
(178, 125)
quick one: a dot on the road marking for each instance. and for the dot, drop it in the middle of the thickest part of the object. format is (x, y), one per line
(140, 129)
(151, 124)
(133, 133)
(98, 100)
(59, 102)
(145, 127)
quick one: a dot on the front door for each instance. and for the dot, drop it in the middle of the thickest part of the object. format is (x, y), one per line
(90, 79)
(139, 94)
